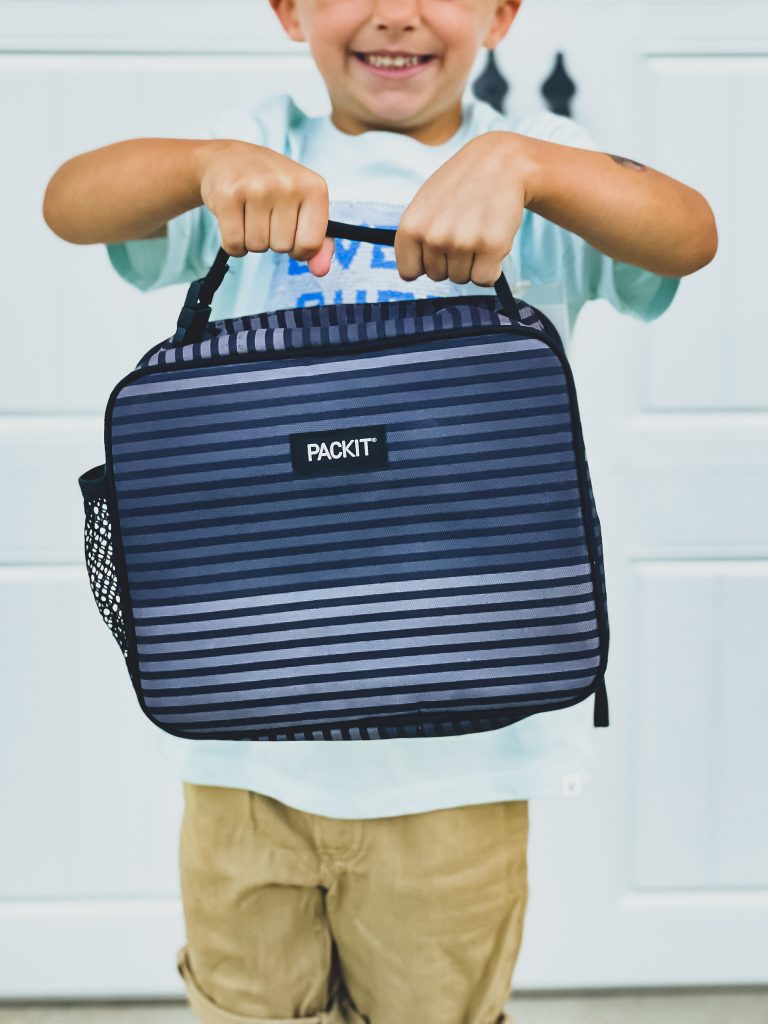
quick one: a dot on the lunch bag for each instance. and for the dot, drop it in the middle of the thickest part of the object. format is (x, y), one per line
(368, 520)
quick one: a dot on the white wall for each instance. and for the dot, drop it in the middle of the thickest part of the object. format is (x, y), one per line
(658, 874)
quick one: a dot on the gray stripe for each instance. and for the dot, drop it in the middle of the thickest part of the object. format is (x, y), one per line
(373, 490)
(404, 464)
(404, 393)
(234, 556)
(418, 697)
(339, 552)
(382, 664)
(288, 635)
(357, 364)
(126, 405)
(326, 613)
(221, 659)
(450, 439)
(337, 689)
(299, 576)
(224, 539)
(498, 411)
(296, 512)
(399, 587)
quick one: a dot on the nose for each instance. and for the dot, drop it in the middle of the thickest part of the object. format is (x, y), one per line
(399, 14)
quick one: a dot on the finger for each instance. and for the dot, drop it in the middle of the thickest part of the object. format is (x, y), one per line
(311, 224)
(282, 226)
(256, 227)
(232, 228)
(435, 262)
(320, 263)
(486, 269)
(460, 266)
(408, 255)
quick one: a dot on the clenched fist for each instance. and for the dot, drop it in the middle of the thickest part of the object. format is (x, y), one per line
(264, 200)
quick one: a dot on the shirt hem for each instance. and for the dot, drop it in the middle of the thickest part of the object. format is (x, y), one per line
(388, 801)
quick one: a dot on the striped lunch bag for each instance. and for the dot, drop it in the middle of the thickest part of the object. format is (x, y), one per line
(360, 521)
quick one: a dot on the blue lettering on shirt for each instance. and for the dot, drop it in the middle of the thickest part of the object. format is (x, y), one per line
(359, 272)
(345, 252)
(296, 267)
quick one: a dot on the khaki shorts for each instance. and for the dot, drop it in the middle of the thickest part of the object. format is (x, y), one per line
(413, 919)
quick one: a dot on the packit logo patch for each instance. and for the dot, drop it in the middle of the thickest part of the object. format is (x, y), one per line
(339, 451)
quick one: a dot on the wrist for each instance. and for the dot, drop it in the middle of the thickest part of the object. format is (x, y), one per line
(205, 153)
(201, 153)
(522, 153)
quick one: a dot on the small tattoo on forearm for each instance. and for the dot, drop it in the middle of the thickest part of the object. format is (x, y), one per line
(626, 162)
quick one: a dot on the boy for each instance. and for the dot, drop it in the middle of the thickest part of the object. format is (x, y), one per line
(361, 881)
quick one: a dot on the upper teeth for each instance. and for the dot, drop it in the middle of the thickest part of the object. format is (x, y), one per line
(398, 62)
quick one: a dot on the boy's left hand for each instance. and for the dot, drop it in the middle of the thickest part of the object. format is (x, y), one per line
(463, 220)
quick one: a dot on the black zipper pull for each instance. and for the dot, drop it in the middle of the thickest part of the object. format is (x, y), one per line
(600, 717)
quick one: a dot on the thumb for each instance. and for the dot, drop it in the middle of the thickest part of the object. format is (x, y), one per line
(320, 263)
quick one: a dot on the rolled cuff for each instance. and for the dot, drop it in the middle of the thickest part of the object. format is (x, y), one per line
(207, 1012)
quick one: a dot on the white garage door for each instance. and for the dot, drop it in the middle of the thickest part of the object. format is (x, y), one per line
(659, 873)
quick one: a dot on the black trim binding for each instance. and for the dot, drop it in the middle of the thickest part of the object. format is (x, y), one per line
(597, 688)
(600, 719)
(93, 482)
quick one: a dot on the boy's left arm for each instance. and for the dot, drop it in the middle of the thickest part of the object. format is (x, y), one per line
(623, 208)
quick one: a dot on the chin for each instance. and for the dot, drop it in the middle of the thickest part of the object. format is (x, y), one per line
(394, 114)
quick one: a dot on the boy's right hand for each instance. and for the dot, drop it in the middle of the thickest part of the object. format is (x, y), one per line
(264, 200)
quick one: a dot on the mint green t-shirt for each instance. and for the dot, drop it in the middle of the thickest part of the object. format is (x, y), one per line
(371, 179)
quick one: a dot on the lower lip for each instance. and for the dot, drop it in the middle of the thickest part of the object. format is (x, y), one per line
(406, 72)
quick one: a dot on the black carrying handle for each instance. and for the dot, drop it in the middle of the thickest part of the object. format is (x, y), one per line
(196, 311)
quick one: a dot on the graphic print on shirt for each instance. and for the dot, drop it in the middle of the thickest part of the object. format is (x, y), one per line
(360, 271)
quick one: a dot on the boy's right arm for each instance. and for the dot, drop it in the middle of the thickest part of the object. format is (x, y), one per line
(129, 190)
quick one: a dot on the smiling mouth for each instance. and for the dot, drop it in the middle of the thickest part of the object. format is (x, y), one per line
(393, 61)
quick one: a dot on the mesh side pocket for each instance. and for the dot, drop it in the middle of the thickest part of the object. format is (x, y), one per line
(100, 555)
